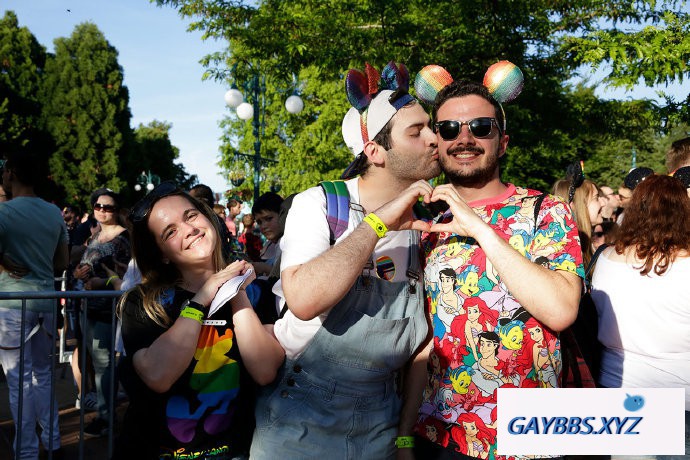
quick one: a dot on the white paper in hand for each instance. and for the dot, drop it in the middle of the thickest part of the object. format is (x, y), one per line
(227, 291)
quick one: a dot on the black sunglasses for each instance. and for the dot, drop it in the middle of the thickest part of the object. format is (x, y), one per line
(598, 234)
(104, 207)
(143, 206)
(481, 128)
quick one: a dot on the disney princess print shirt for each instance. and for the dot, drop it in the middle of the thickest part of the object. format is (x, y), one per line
(483, 338)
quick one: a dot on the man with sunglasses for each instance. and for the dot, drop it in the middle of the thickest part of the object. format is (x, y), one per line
(355, 307)
(33, 236)
(525, 281)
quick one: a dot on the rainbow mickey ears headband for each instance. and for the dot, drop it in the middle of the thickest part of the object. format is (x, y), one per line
(504, 80)
(375, 98)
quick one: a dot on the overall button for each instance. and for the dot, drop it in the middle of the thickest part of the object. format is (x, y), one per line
(284, 394)
(290, 382)
(297, 368)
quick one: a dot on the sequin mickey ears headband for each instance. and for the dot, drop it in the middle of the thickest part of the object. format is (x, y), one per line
(363, 89)
(504, 80)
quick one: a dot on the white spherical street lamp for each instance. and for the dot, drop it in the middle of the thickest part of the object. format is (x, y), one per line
(233, 98)
(137, 187)
(294, 104)
(245, 111)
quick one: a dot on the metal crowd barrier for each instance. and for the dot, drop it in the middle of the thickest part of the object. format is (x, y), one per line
(84, 296)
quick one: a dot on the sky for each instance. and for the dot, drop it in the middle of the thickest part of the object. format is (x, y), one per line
(161, 67)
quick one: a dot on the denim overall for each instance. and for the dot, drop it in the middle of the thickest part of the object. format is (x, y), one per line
(339, 396)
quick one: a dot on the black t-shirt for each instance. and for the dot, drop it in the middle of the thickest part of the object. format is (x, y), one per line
(209, 409)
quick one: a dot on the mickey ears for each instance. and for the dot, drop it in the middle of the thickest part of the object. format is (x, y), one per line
(361, 87)
(429, 81)
(504, 80)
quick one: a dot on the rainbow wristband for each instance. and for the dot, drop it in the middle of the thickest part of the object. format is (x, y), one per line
(404, 442)
(377, 224)
(193, 313)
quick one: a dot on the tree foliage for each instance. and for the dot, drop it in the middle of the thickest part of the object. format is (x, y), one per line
(551, 124)
(86, 111)
(22, 62)
(153, 153)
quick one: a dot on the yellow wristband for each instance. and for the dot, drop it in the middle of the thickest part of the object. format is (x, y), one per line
(404, 442)
(193, 313)
(377, 224)
(107, 283)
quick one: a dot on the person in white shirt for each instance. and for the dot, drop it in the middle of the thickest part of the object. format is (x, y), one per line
(355, 308)
(639, 291)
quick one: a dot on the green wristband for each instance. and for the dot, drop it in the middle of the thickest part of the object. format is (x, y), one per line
(404, 442)
(193, 313)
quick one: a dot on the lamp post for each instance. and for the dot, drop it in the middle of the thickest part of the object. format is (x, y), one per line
(256, 111)
(148, 180)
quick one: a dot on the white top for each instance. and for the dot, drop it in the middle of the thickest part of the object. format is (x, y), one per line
(306, 236)
(644, 325)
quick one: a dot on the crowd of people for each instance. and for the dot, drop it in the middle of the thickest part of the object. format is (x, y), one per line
(377, 315)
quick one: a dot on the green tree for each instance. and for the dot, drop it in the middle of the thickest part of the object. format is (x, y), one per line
(656, 54)
(152, 152)
(22, 60)
(86, 111)
(548, 129)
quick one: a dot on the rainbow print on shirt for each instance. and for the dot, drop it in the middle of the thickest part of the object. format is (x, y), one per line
(216, 382)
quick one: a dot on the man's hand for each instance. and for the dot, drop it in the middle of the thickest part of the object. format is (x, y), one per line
(397, 213)
(465, 221)
(12, 268)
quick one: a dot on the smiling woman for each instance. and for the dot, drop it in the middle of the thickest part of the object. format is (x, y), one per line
(189, 378)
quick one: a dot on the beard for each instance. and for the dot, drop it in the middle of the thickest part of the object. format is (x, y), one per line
(474, 178)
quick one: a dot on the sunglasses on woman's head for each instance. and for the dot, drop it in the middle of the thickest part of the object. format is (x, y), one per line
(481, 128)
(143, 206)
(104, 207)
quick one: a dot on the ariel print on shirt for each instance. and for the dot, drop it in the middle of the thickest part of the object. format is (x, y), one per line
(216, 380)
(491, 341)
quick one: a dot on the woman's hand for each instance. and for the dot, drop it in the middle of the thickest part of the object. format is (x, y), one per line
(82, 271)
(210, 288)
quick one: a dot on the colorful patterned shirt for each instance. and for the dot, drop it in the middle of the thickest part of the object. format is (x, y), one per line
(483, 338)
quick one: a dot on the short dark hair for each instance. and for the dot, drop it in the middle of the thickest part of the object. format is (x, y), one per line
(462, 88)
(269, 201)
(678, 155)
(203, 192)
(23, 166)
(104, 191)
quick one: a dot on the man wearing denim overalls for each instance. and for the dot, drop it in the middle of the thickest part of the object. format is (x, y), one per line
(355, 305)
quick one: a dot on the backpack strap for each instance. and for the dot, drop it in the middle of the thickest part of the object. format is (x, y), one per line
(592, 263)
(337, 207)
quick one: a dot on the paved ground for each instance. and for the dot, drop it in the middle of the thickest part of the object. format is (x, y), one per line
(66, 393)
